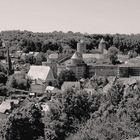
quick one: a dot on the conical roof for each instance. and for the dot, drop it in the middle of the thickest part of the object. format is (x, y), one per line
(81, 41)
(77, 55)
(102, 41)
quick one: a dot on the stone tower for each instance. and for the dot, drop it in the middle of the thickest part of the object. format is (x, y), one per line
(81, 47)
(102, 46)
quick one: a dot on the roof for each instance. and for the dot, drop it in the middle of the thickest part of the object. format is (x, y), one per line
(81, 41)
(137, 138)
(15, 101)
(31, 52)
(50, 88)
(75, 62)
(77, 55)
(133, 62)
(66, 47)
(6, 105)
(91, 55)
(53, 56)
(102, 41)
(69, 85)
(43, 73)
(82, 80)
(36, 53)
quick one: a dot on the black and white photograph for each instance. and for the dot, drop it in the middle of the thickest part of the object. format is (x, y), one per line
(69, 70)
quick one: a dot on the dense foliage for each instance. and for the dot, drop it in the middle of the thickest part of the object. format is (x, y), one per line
(66, 75)
(77, 115)
(18, 82)
(57, 41)
(24, 124)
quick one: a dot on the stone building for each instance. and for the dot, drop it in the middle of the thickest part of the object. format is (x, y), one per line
(102, 47)
(81, 47)
(77, 65)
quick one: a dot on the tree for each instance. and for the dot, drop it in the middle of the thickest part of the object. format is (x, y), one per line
(66, 75)
(18, 82)
(67, 112)
(112, 54)
(3, 68)
(25, 123)
(3, 90)
(3, 78)
(30, 59)
(40, 58)
(132, 54)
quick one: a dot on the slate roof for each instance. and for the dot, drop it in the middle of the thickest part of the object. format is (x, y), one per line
(43, 73)
(77, 55)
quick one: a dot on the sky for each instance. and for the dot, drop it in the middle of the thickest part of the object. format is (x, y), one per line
(86, 16)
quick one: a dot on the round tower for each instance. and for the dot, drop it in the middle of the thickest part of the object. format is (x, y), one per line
(102, 46)
(81, 47)
(77, 65)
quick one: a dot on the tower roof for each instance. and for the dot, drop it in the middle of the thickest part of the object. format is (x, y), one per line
(81, 41)
(102, 41)
(77, 55)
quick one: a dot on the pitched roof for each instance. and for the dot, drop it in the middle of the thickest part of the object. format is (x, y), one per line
(41, 72)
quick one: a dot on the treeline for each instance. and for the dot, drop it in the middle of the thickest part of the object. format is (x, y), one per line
(57, 41)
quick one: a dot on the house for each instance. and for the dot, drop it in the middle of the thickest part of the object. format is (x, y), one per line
(40, 76)
(70, 85)
(41, 73)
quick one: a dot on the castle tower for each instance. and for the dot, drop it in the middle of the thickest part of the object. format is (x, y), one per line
(102, 46)
(77, 65)
(81, 47)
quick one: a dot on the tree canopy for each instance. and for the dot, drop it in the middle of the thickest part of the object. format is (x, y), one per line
(66, 75)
